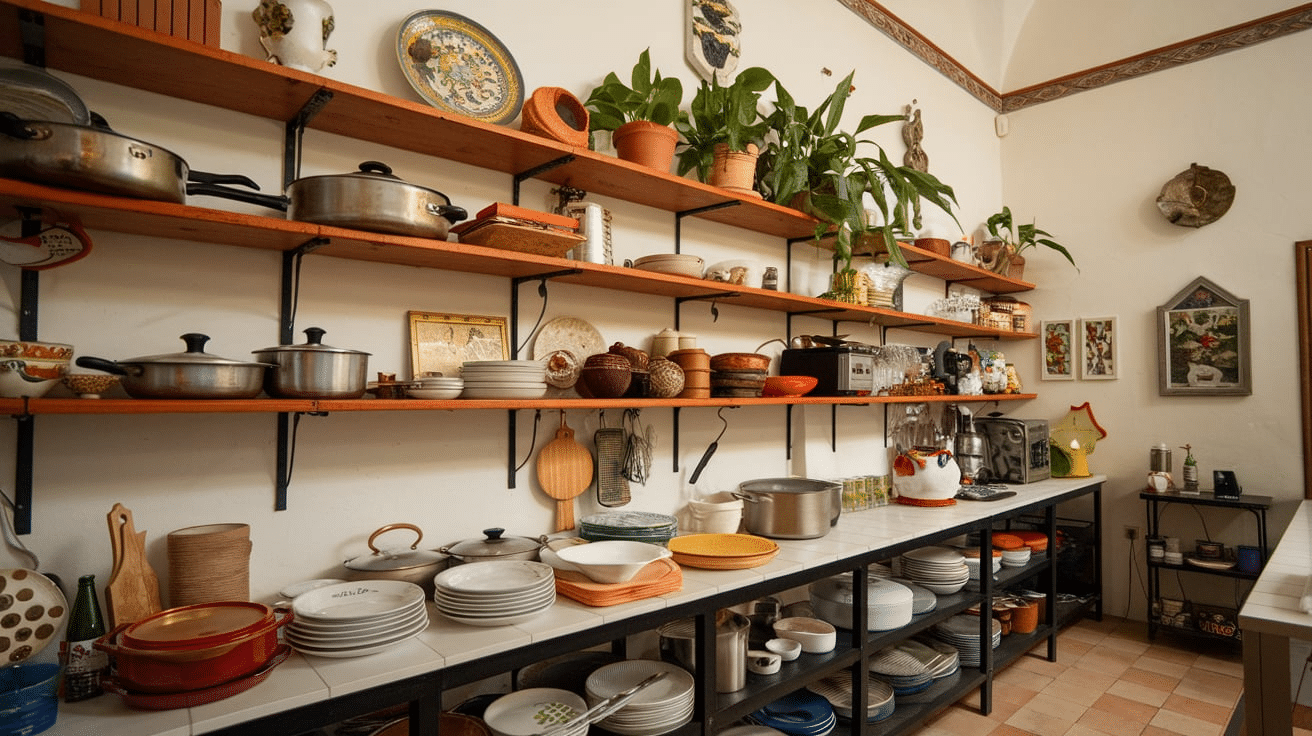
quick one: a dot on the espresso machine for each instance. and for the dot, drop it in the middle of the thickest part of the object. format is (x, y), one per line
(970, 448)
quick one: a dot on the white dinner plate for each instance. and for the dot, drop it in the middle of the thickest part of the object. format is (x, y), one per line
(495, 576)
(354, 601)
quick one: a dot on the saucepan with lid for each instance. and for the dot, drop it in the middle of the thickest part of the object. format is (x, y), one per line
(314, 370)
(494, 546)
(410, 564)
(193, 374)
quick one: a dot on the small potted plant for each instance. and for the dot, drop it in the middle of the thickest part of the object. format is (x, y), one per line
(721, 136)
(1006, 255)
(815, 167)
(640, 114)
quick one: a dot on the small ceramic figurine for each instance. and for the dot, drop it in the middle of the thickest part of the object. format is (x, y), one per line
(295, 33)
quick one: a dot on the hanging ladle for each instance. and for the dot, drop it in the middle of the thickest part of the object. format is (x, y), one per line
(706, 456)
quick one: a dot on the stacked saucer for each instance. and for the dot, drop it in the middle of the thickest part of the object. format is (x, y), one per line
(1016, 557)
(800, 713)
(972, 562)
(837, 689)
(658, 708)
(639, 526)
(962, 632)
(909, 666)
(942, 570)
(504, 379)
(436, 387)
(495, 593)
(356, 618)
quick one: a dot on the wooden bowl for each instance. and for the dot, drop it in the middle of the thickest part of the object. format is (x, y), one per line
(789, 385)
(740, 361)
(607, 382)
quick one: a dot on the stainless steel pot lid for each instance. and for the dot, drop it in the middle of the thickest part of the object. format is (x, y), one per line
(375, 171)
(194, 355)
(314, 343)
(391, 559)
(493, 545)
(786, 485)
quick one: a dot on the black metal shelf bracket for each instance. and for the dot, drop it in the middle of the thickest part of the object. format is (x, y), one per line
(713, 297)
(678, 218)
(524, 176)
(288, 425)
(291, 287)
(518, 281)
(29, 290)
(294, 133)
(674, 439)
(32, 32)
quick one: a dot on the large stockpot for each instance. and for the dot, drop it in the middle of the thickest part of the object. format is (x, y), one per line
(372, 199)
(95, 158)
(790, 508)
(413, 565)
(314, 370)
(194, 374)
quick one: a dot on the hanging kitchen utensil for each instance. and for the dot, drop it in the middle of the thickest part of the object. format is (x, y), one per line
(565, 472)
(133, 590)
(706, 456)
(612, 486)
(638, 444)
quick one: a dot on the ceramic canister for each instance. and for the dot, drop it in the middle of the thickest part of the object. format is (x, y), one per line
(664, 343)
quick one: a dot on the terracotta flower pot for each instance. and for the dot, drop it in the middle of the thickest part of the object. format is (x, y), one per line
(646, 143)
(735, 170)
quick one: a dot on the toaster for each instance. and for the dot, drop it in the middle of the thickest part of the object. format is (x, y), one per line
(1018, 449)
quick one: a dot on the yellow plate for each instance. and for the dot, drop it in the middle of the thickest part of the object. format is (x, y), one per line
(722, 545)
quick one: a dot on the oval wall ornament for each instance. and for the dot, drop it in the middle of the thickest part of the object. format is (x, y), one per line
(1196, 196)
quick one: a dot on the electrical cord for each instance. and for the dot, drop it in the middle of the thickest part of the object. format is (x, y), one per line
(1143, 584)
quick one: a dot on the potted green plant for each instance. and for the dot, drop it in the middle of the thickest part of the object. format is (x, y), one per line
(639, 114)
(1006, 254)
(721, 137)
(814, 166)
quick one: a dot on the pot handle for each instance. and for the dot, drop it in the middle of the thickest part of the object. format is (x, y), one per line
(451, 212)
(16, 127)
(108, 366)
(744, 497)
(284, 615)
(206, 177)
(108, 643)
(419, 535)
(272, 201)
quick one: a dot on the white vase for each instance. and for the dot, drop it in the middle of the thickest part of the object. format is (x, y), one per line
(295, 33)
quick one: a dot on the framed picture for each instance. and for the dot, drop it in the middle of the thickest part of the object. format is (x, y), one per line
(1058, 350)
(1098, 356)
(441, 343)
(1203, 343)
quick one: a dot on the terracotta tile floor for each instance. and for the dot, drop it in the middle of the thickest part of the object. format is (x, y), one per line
(1108, 680)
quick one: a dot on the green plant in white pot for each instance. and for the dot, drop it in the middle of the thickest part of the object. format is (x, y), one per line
(639, 114)
(721, 137)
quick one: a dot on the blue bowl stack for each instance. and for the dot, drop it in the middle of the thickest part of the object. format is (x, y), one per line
(28, 698)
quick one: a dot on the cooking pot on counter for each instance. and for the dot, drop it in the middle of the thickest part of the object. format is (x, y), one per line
(372, 199)
(194, 374)
(315, 371)
(96, 158)
(494, 546)
(790, 508)
(418, 566)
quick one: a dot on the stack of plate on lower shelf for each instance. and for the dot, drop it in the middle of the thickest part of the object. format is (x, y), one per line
(658, 708)
(723, 551)
(906, 666)
(800, 713)
(962, 632)
(356, 618)
(949, 657)
(972, 562)
(495, 593)
(1016, 557)
(504, 379)
(640, 526)
(837, 689)
(923, 600)
(942, 570)
(533, 710)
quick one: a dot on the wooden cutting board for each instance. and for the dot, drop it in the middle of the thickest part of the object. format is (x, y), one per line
(133, 590)
(564, 472)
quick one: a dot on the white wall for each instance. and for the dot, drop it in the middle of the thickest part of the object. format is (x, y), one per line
(443, 471)
(1090, 167)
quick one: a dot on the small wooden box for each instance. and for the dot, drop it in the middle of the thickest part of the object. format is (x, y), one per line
(194, 20)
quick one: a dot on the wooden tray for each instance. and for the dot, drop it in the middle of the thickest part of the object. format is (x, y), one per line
(518, 236)
(658, 578)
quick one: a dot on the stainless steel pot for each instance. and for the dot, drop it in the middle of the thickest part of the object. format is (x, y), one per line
(314, 370)
(790, 508)
(418, 566)
(95, 158)
(494, 546)
(370, 199)
(194, 374)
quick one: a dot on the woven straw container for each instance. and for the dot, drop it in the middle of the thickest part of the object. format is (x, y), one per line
(209, 563)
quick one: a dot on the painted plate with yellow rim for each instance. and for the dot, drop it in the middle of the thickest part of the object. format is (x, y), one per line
(458, 66)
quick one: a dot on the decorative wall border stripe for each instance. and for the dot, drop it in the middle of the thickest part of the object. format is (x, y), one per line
(1185, 52)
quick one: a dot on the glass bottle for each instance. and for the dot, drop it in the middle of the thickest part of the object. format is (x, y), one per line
(84, 665)
(1190, 471)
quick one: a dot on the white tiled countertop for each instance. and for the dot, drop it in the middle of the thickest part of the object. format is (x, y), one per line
(303, 680)
(1274, 604)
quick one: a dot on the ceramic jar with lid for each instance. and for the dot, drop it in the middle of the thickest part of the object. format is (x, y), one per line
(664, 343)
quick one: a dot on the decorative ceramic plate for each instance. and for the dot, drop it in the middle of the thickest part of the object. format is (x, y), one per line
(32, 613)
(568, 333)
(458, 66)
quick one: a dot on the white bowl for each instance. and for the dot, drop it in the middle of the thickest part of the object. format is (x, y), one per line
(612, 561)
(787, 649)
(434, 393)
(815, 636)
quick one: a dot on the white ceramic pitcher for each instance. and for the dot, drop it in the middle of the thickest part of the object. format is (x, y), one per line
(295, 33)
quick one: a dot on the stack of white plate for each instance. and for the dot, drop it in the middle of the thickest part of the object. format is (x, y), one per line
(672, 263)
(435, 387)
(972, 562)
(923, 600)
(495, 593)
(950, 657)
(356, 618)
(962, 632)
(658, 708)
(910, 666)
(1016, 557)
(837, 689)
(504, 379)
(942, 570)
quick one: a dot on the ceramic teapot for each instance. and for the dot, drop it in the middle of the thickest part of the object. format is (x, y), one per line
(295, 33)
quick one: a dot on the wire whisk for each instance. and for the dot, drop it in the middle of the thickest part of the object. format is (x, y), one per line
(640, 441)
